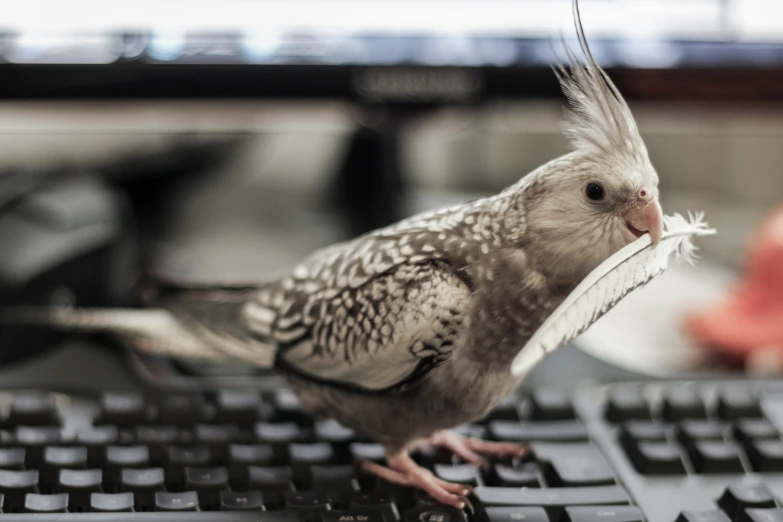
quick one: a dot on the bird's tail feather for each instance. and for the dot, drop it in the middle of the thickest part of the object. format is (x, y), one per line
(193, 320)
(155, 331)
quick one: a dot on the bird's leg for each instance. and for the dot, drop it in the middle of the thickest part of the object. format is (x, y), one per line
(471, 450)
(403, 470)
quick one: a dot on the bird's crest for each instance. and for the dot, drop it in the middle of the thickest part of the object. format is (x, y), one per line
(599, 120)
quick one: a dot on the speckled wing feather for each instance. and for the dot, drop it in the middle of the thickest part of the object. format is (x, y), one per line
(630, 268)
(380, 309)
(373, 313)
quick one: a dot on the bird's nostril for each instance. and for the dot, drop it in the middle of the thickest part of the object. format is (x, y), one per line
(643, 193)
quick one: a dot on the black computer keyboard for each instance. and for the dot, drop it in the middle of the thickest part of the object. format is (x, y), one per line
(654, 452)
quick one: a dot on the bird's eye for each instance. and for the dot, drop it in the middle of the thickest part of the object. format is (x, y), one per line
(595, 191)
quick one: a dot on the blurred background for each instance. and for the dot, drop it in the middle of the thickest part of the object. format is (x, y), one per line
(234, 137)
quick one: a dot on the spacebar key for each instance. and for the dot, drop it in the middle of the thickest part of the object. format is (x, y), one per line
(152, 516)
(553, 497)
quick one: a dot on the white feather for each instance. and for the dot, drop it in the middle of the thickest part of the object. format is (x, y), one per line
(631, 267)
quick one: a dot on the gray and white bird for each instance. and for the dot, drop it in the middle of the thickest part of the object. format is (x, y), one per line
(409, 331)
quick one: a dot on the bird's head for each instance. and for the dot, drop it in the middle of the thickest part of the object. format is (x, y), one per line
(583, 207)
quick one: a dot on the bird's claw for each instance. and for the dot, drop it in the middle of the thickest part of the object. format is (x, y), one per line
(403, 471)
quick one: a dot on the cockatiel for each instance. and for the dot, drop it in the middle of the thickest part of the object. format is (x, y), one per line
(408, 331)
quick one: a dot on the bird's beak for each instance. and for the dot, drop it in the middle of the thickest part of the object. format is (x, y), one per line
(646, 219)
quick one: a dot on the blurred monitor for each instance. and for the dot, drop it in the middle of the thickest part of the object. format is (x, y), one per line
(386, 51)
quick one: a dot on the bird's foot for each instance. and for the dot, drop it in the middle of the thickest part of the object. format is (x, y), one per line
(404, 471)
(471, 449)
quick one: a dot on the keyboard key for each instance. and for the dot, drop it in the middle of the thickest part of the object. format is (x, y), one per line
(377, 501)
(339, 482)
(644, 431)
(307, 501)
(553, 497)
(632, 433)
(14, 485)
(746, 430)
(241, 501)
(179, 501)
(143, 483)
(207, 482)
(57, 458)
(766, 455)
(525, 476)
(352, 516)
(371, 451)
(604, 513)
(658, 458)
(182, 409)
(683, 403)
(716, 457)
(433, 512)
(626, 403)
(551, 404)
(574, 464)
(122, 409)
(157, 438)
(79, 484)
(279, 435)
(737, 497)
(337, 435)
(302, 456)
(460, 473)
(120, 457)
(12, 458)
(517, 514)
(288, 409)
(240, 456)
(712, 515)
(35, 503)
(35, 439)
(238, 407)
(334, 432)
(690, 431)
(552, 431)
(273, 482)
(96, 439)
(33, 409)
(764, 515)
(108, 502)
(737, 402)
(180, 457)
(217, 437)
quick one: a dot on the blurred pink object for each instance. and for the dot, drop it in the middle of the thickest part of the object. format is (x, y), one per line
(750, 320)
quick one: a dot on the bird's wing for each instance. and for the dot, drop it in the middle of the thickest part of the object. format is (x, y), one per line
(630, 268)
(387, 331)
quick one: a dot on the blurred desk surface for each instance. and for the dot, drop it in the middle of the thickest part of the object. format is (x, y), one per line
(644, 333)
